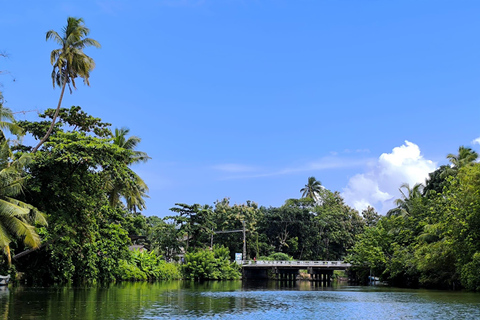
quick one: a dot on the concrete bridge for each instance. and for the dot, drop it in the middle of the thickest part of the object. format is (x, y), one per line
(289, 270)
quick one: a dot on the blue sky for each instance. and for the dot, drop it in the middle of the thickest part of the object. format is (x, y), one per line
(247, 99)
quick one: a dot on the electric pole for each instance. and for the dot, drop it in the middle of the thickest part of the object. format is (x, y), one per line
(244, 242)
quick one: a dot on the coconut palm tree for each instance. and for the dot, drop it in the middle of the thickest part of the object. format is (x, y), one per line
(408, 199)
(69, 61)
(465, 157)
(17, 219)
(133, 189)
(120, 139)
(7, 122)
(311, 189)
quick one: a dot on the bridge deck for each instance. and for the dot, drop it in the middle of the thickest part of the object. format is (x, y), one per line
(336, 265)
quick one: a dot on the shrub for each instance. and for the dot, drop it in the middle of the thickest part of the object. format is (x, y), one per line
(206, 264)
(147, 266)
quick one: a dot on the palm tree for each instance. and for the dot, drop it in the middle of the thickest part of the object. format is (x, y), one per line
(311, 189)
(69, 61)
(17, 218)
(438, 179)
(407, 201)
(7, 122)
(120, 139)
(465, 157)
(133, 189)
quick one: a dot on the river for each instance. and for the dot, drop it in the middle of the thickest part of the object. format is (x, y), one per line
(235, 300)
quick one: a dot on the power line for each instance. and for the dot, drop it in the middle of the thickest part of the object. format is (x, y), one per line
(36, 110)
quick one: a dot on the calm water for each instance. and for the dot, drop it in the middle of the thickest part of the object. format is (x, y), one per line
(234, 300)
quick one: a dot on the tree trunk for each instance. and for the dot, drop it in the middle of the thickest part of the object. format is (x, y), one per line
(53, 120)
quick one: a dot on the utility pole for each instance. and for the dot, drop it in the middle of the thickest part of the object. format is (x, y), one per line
(211, 239)
(244, 242)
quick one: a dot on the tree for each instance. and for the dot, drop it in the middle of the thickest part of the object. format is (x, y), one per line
(17, 218)
(311, 189)
(86, 238)
(464, 157)
(408, 199)
(195, 224)
(438, 179)
(120, 139)
(370, 216)
(164, 239)
(69, 61)
(133, 190)
(7, 122)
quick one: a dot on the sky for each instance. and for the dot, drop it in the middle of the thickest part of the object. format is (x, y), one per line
(246, 99)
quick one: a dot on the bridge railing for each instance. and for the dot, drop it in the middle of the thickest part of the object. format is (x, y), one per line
(297, 263)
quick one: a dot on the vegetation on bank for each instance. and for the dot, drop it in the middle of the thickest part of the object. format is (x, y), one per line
(432, 237)
(70, 207)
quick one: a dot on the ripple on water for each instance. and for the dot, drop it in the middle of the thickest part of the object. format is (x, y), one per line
(349, 304)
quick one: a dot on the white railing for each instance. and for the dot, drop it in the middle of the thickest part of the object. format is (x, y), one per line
(297, 263)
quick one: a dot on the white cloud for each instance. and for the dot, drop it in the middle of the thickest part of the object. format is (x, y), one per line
(378, 187)
(476, 141)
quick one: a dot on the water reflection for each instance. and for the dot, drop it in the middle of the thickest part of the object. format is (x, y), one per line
(234, 300)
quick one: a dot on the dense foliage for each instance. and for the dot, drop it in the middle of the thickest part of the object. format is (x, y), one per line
(70, 179)
(302, 228)
(432, 238)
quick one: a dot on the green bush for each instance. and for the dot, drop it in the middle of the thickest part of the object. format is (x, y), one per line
(130, 272)
(147, 266)
(206, 264)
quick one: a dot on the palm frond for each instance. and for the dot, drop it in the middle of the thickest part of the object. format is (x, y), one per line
(34, 215)
(53, 35)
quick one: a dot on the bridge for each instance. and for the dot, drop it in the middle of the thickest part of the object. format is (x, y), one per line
(289, 270)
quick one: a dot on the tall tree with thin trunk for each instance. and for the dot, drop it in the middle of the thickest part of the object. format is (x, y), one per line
(69, 61)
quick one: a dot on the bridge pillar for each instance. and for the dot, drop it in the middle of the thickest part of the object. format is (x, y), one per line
(286, 274)
(324, 276)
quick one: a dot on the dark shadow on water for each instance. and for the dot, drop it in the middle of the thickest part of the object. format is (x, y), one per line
(302, 285)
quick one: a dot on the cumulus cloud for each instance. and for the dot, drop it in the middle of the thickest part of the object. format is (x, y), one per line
(378, 187)
(476, 141)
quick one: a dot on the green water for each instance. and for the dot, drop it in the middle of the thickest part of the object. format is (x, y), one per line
(235, 300)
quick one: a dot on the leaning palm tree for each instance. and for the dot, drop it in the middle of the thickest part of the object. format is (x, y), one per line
(69, 61)
(17, 219)
(311, 189)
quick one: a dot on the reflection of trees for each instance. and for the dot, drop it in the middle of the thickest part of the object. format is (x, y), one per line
(204, 299)
(124, 301)
(4, 295)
